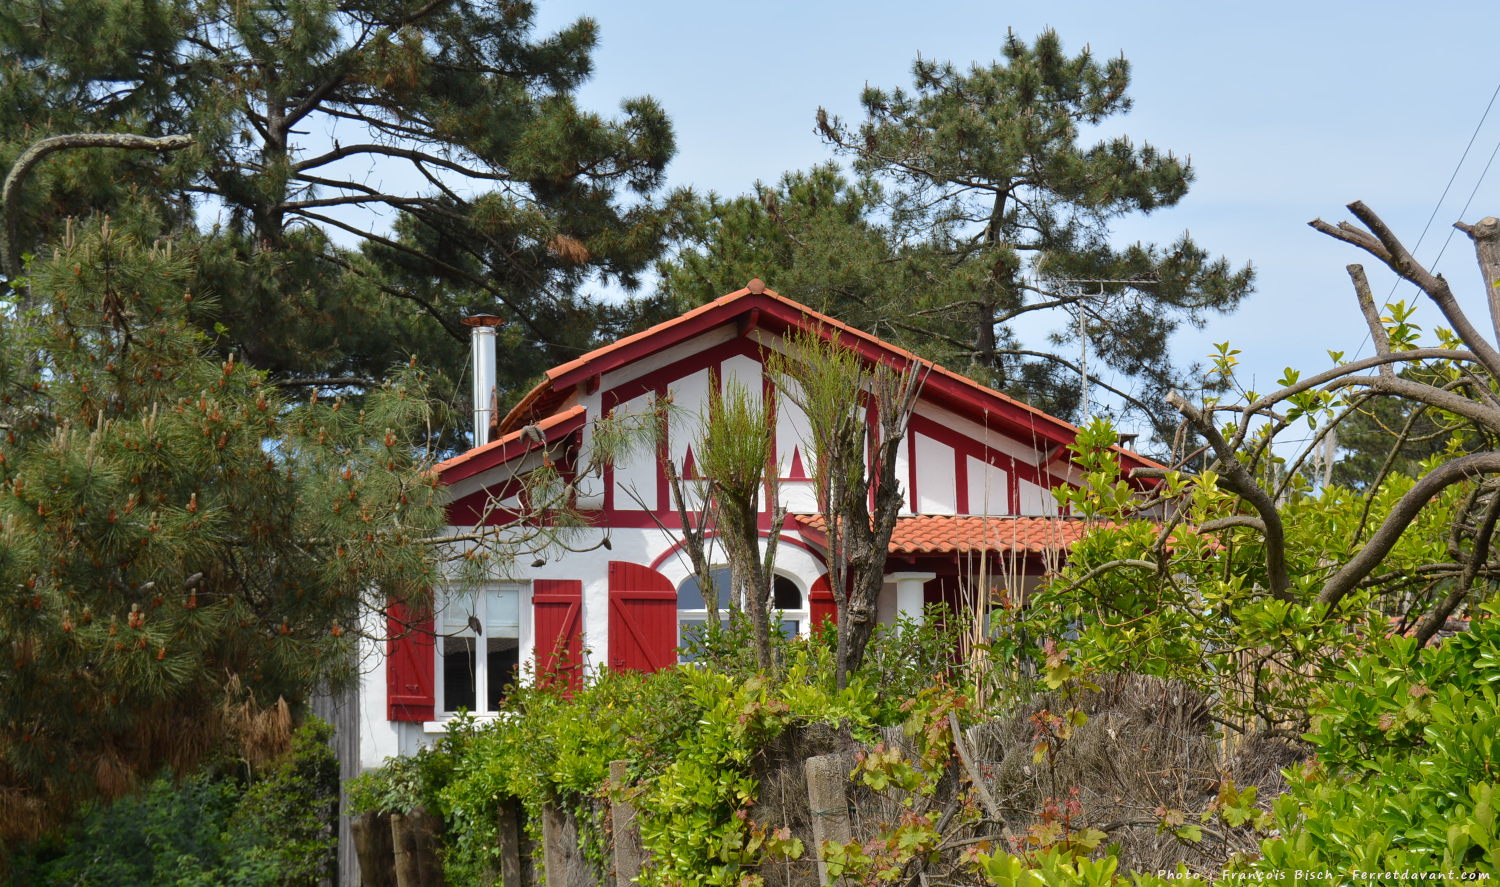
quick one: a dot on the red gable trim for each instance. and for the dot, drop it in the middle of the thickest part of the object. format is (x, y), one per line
(513, 445)
(776, 313)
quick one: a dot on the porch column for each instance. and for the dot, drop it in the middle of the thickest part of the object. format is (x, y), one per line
(909, 596)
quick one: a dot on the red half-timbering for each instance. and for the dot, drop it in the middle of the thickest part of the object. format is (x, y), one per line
(642, 618)
(964, 441)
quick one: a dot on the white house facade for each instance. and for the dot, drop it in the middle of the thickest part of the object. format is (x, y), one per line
(977, 469)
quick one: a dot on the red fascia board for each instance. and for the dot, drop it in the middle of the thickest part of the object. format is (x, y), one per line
(509, 447)
(662, 336)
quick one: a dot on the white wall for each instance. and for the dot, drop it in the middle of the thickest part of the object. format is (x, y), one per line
(935, 477)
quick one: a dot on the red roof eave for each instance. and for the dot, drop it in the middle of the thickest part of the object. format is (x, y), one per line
(512, 446)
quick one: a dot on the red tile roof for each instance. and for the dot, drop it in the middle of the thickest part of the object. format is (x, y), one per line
(956, 534)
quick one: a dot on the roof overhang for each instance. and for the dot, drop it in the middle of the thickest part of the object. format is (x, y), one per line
(512, 446)
(755, 307)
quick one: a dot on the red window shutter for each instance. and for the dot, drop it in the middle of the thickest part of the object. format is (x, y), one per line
(410, 664)
(820, 603)
(557, 606)
(642, 618)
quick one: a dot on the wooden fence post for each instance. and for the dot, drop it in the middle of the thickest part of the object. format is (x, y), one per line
(629, 853)
(827, 776)
(373, 849)
(508, 828)
(559, 846)
(414, 838)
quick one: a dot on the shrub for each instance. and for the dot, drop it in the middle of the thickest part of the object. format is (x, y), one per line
(204, 830)
(1407, 742)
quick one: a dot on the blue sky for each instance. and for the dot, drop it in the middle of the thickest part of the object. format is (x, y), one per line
(1288, 111)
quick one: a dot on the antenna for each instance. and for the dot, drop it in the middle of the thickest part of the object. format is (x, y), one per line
(1083, 339)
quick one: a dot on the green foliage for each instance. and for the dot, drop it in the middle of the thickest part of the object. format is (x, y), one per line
(689, 735)
(694, 813)
(175, 538)
(550, 749)
(1192, 606)
(204, 830)
(814, 236)
(1406, 745)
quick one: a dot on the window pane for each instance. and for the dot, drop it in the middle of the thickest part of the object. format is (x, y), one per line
(688, 630)
(457, 608)
(503, 613)
(786, 594)
(790, 628)
(690, 595)
(502, 656)
(458, 673)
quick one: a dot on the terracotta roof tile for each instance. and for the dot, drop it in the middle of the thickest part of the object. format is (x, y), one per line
(950, 534)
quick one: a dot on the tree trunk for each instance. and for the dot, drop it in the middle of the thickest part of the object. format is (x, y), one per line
(1486, 237)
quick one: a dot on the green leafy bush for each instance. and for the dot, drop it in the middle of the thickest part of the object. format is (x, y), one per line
(1407, 743)
(203, 831)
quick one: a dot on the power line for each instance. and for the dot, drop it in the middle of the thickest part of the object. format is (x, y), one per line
(1463, 211)
(1437, 206)
(1456, 168)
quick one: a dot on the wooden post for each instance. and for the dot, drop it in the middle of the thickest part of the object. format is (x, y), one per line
(508, 827)
(414, 837)
(559, 846)
(404, 846)
(373, 849)
(829, 805)
(628, 850)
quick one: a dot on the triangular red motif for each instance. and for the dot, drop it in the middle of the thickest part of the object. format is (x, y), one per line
(796, 472)
(689, 467)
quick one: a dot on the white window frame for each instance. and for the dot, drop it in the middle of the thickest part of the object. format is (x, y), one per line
(803, 615)
(481, 669)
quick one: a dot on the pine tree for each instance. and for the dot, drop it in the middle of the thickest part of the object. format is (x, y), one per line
(988, 170)
(362, 174)
(976, 199)
(178, 544)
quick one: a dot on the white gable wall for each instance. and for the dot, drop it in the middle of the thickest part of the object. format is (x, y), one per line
(988, 487)
(935, 477)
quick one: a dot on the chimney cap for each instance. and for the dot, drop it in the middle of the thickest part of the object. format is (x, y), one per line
(483, 320)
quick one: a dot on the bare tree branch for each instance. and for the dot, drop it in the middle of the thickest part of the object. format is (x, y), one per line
(1238, 480)
(10, 195)
(1402, 514)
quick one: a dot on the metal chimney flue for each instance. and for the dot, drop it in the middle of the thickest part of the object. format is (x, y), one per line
(482, 346)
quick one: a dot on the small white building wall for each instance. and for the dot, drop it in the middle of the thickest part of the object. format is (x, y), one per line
(635, 474)
(668, 356)
(590, 489)
(1036, 500)
(381, 739)
(745, 372)
(689, 404)
(1022, 451)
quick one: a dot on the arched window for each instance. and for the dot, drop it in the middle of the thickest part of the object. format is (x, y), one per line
(692, 610)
